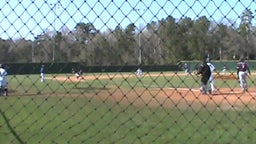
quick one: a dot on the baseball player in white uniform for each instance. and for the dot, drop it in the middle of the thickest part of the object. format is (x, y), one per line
(211, 79)
(139, 72)
(79, 74)
(42, 73)
(3, 81)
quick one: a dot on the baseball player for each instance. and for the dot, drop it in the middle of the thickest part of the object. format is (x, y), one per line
(78, 74)
(139, 72)
(205, 72)
(42, 70)
(224, 69)
(187, 69)
(211, 79)
(242, 70)
(3, 81)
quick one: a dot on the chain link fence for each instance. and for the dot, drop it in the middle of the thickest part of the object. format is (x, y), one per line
(125, 71)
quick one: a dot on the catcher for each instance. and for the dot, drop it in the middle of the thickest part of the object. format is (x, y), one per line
(205, 72)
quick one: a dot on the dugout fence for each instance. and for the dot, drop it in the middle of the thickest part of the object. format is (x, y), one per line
(66, 68)
(111, 103)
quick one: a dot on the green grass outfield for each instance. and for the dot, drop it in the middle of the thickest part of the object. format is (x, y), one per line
(60, 112)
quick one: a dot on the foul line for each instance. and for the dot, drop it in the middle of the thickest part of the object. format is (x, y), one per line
(219, 91)
(185, 89)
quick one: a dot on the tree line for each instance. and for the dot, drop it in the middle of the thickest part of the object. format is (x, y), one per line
(166, 41)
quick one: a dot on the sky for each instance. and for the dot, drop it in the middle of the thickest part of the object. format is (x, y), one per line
(29, 18)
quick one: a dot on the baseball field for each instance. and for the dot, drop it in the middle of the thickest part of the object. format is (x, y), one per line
(159, 107)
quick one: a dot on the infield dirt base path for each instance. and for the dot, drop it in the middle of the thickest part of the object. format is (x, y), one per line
(183, 98)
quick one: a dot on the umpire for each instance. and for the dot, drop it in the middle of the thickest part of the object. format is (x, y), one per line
(205, 72)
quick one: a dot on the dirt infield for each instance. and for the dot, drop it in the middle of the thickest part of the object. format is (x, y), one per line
(182, 98)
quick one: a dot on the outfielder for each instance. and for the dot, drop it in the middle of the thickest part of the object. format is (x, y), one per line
(42, 70)
(242, 70)
(3, 81)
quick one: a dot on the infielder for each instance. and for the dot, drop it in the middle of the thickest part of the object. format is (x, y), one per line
(3, 81)
(79, 74)
(242, 70)
(211, 79)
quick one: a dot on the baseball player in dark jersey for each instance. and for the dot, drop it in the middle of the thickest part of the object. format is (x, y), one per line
(242, 70)
(205, 72)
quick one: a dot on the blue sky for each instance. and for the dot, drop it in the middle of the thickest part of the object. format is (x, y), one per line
(28, 18)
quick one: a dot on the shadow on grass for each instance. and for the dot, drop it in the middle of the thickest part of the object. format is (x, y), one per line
(92, 88)
(12, 129)
(74, 91)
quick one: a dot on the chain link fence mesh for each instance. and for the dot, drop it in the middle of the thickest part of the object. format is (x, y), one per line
(125, 71)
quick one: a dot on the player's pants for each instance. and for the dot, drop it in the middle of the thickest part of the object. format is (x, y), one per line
(77, 75)
(4, 87)
(242, 80)
(42, 77)
(139, 73)
(186, 71)
(211, 80)
(204, 82)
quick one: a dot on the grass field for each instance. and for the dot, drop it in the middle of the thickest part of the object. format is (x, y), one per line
(121, 108)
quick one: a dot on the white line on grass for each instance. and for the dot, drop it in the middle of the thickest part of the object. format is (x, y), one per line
(184, 89)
